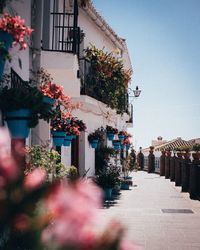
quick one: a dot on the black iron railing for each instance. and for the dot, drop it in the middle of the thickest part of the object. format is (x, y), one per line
(62, 25)
(91, 88)
(16, 80)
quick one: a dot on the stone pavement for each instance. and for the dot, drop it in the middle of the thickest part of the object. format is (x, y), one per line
(140, 210)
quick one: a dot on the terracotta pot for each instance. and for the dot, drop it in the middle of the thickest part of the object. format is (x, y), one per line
(179, 154)
(187, 155)
(168, 153)
(196, 156)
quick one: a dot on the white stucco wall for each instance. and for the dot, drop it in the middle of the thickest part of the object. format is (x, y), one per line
(94, 114)
(63, 68)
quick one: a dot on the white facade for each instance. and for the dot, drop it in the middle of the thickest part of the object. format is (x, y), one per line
(64, 67)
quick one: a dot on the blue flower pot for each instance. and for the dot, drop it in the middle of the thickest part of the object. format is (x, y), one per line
(108, 193)
(122, 146)
(58, 137)
(2, 63)
(7, 40)
(69, 137)
(94, 143)
(116, 145)
(48, 100)
(110, 136)
(127, 146)
(66, 143)
(17, 122)
(67, 140)
(121, 137)
(124, 186)
(73, 137)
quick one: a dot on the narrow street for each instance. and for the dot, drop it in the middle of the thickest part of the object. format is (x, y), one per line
(150, 226)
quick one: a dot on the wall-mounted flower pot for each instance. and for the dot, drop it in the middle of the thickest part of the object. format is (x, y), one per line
(66, 143)
(17, 122)
(67, 140)
(110, 136)
(73, 137)
(108, 193)
(121, 137)
(6, 40)
(58, 137)
(124, 186)
(94, 143)
(116, 145)
(48, 100)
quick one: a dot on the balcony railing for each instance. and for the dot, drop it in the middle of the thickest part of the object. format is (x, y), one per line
(16, 80)
(88, 87)
(60, 30)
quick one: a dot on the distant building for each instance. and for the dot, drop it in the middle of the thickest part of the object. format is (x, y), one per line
(158, 142)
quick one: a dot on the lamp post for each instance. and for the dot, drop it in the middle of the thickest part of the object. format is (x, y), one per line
(133, 94)
(136, 92)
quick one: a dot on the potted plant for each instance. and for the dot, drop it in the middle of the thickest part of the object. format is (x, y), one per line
(186, 150)
(78, 125)
(107, 80)
(107, 179)
(121, 135)
(179, 152)
(22, 108)
(111, 132)
(116, 144)
(95, 137)
(40, 156)
(12, 32)
(58, 130)
(196, 148)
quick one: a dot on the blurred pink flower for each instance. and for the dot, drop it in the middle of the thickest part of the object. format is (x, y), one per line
(125, 245)
(21, 222)
(74, 208)
(8, 168)
(34, 179)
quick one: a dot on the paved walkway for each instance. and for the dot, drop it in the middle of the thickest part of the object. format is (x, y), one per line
(140, 209)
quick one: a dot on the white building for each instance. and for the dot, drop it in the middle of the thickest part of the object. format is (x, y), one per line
(62, 30)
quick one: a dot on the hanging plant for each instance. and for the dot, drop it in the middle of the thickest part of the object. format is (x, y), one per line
(107, 80)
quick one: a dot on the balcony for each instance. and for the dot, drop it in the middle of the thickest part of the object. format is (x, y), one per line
(103, 91)
(60, 30)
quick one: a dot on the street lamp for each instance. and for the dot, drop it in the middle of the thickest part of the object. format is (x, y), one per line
(136, 92)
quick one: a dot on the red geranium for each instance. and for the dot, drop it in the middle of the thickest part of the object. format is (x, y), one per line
(16, 27)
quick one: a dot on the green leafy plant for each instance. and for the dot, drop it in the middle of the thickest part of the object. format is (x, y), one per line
(107, 80)
(110, 129)
(102, 157)
(108, 177)
(96, 135)
(26, 97)
(49, 159)
(196, 147)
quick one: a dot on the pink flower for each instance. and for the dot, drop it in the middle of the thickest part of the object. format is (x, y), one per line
(126, 246)
(34, 179)
(16, 27)
(8, 168)
(73, 209)
(21, 222)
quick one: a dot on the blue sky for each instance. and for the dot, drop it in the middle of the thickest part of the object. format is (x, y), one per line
(163, 38)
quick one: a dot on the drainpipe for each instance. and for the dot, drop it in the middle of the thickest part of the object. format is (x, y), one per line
(35, 57)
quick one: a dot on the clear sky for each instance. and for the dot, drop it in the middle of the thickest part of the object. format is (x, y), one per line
(163, 38)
